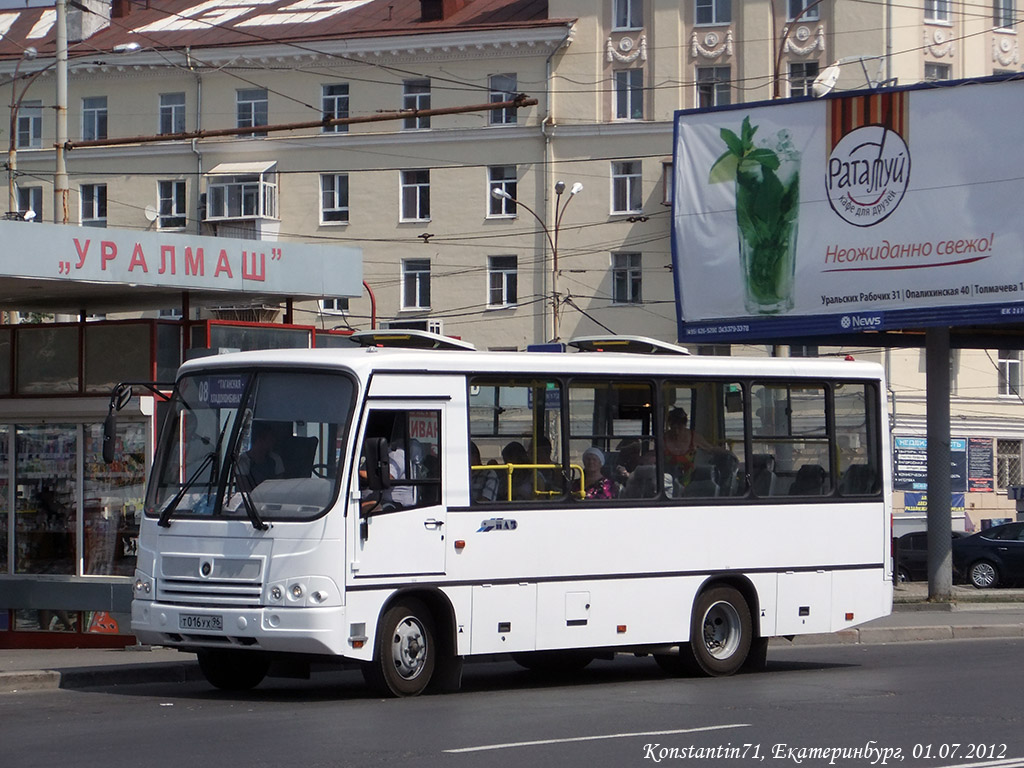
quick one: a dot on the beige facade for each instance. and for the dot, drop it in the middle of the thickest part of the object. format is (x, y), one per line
(608, 77)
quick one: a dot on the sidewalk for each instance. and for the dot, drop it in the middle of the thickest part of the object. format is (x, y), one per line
(973, 613)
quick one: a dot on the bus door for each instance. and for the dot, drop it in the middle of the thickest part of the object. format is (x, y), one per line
(401, 527)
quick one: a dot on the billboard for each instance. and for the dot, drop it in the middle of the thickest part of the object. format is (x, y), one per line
(875, 210)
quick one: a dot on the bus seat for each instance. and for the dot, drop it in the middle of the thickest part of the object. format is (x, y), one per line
(858, 479)
(702, 481)
(810, 480)
(763, 480)
(727, 473)
(297, 453)
(642, 483)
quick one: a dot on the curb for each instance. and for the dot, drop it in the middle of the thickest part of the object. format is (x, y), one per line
(883, 635)
(95, 677)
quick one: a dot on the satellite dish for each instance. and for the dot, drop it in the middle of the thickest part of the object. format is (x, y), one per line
(826, 80)
(151, 213)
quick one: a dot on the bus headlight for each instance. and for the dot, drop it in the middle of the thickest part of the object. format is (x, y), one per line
(295, 590)
(143, 587)
(276, 593)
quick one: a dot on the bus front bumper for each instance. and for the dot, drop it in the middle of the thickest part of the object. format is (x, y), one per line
(321, 630)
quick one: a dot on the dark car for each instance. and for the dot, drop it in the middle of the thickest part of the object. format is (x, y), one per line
(912, 555)
(991, 557)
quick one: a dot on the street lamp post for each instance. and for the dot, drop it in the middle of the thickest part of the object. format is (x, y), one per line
(777, 62)
(12, 151)
(551, 233)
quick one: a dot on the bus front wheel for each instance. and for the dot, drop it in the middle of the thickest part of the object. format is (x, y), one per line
(233, 670)
(720, 632)
(406, 651)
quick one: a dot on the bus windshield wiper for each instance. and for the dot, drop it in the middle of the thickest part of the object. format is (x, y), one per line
(250, 506)
(165, 516)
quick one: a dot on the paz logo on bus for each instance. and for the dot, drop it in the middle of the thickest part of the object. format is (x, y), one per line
(497, 524)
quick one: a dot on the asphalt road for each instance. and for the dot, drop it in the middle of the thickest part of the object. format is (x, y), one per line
(918, 698)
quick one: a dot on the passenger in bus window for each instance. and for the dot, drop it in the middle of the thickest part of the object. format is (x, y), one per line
(681, 445)
(483, 482)
(596, 484)
(541, 454)
(628, 457)
(522, 479)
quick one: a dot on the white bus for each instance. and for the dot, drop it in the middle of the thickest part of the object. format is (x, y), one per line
(408, 508)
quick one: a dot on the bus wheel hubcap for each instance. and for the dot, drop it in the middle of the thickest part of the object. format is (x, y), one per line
(722, 630)
(409, 648)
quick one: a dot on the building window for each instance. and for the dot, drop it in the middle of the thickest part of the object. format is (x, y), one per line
(803, 350)
(627, 278)
(415, 195)
(714, 11)
(94, 118)
(502, 281)
(796, 7)
(1003, 14)
(715, 350)
(30, 125)
(334, 306)
(627, 187)
(1008, 464)
(416, 96)
(713, 88)
(629, 94)
(503, 88)
(629, 14)
(501, 177)
(936, 10)
(252, 109)
(415, 283)
(801, 77)
(94, 205)
(172, 205)
(31, 199)
(936, 71)
(333, 198)
(172, 113)
(335, 105)
(1009, 372)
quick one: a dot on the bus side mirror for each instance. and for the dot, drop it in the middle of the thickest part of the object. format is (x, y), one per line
(109, 437)
(375, 452)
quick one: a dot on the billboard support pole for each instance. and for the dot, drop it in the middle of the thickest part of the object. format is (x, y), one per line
(940, 521)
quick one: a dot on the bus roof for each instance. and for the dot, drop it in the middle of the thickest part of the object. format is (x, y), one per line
(364, 361)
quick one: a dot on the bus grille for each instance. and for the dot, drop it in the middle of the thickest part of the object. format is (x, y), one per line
(210, 580)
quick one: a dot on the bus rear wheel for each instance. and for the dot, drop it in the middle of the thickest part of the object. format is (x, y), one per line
(233, 670)
(720, 632)
(405, 653)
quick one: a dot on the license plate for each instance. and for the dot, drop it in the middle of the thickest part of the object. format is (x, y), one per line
(209, 623)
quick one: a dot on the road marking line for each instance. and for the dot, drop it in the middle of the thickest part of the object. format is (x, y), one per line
(514, 744)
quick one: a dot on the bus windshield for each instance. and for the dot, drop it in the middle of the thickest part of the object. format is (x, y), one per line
(262, 444)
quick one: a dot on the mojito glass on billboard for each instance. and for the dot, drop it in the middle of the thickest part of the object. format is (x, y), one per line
(767, 182)
(803, 217)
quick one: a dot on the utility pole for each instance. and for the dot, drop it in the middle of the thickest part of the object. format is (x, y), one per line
(60, 178)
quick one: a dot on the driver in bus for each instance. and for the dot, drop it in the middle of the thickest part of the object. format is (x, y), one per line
(261, 462)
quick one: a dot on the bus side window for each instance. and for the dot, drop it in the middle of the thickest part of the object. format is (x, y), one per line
(515, 426)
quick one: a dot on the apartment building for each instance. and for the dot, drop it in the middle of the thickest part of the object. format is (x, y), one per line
(548, 218)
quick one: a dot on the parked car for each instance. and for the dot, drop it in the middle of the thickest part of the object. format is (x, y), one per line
(993, 556)
(912, 555)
